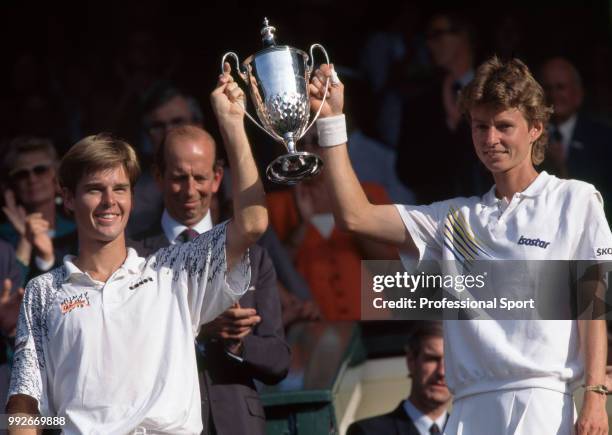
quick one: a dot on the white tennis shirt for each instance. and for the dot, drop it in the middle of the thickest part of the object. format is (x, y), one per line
(118, 356)
(552, 219)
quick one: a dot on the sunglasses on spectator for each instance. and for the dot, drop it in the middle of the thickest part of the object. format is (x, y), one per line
(24, 173)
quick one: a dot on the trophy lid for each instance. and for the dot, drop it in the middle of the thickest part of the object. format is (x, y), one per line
(267, 34)
(268, 39)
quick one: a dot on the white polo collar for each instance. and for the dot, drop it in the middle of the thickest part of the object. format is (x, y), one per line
(173, 228)
(533, 190)
(132, 265)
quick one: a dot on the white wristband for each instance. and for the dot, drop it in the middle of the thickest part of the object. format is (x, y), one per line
(332, 131)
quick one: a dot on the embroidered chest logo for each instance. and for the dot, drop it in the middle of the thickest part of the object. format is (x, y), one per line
(141, 282)
(77, 301)
(533, 242)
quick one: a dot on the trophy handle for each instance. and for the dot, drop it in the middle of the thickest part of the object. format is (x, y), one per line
(238, 69)
(244, 78)
(310, 68)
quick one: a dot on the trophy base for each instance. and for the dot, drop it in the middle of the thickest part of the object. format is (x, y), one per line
(289, 169)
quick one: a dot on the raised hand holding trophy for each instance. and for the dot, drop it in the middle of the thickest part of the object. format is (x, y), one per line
(277, 79)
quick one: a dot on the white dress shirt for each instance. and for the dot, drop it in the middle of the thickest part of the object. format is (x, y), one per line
(422, 422)
(173, 228)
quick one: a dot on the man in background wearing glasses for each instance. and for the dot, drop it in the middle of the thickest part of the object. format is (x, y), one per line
(164, 107)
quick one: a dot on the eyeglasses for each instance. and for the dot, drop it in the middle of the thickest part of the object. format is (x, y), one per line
(24, 173)
(162, 127)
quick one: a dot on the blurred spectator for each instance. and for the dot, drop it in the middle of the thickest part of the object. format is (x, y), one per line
(425, 411)
(36, 227)
(164, 107)
(579, 146)
(434, 135)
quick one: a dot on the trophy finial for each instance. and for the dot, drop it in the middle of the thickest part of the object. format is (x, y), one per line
(267, 34)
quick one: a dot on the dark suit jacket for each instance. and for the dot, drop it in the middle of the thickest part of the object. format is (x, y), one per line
(396, 422)
(589, 154)
(228, 385)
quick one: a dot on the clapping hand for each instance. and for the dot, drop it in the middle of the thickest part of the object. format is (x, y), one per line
(37, 233)
(15, 213)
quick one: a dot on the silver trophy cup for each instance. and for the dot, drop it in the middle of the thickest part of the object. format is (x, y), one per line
(277, 79)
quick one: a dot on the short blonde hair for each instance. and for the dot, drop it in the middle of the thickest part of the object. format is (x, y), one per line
(97, 153)
(507, 85)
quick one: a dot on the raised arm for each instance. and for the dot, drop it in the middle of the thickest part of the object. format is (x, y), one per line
(248, 340)
(352, 209)
(250, 215)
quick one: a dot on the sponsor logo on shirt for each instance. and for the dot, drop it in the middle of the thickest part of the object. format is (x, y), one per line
(77, 301)
(533, 242)
(604, 251)
(141, 282)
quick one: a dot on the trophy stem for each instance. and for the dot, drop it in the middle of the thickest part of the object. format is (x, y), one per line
(289, 140)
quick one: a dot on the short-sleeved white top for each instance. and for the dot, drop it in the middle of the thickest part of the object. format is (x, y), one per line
(116, 356)
(552, 219)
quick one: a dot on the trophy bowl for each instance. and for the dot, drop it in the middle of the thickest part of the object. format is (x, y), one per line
(277, 79)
